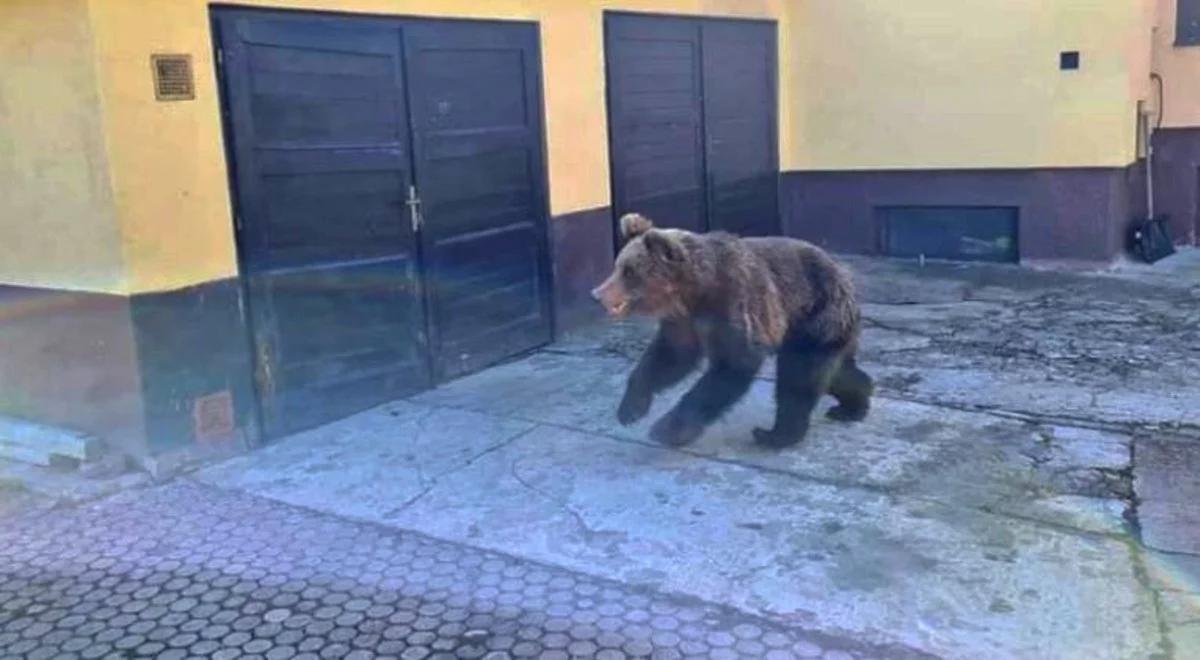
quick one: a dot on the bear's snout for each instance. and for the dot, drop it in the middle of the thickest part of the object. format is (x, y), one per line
(612, 296)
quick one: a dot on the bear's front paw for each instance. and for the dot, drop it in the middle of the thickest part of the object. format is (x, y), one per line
(773, 439)
(675, 430)
(633, 407)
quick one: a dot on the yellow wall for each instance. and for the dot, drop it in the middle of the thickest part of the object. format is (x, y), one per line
(167, 159)
(963, 83)
(865, 84)
(57, 227)
(1180, 70)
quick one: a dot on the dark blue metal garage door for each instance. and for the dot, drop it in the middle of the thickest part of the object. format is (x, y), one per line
(390, 203)
(476, 125)
(692, 120)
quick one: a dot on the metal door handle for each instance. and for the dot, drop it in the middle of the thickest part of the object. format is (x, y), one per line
(414, 208)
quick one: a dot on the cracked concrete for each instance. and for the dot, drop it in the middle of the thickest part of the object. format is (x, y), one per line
(382, 460)
(1167, 475)
(885, 560)
(1031, 431)
(1025, 485)
(1103, 351)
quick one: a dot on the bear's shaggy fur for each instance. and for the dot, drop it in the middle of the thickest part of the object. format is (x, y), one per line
(735, 301)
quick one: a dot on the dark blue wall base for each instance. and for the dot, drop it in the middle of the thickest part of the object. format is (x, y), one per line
(1074, 214)
(196, 366)
(582, 250)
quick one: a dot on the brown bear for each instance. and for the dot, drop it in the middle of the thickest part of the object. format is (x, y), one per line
(735, 301)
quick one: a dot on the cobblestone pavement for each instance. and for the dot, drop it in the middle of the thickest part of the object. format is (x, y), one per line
(186, 570)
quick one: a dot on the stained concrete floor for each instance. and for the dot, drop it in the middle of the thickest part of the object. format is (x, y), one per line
(1026, 486)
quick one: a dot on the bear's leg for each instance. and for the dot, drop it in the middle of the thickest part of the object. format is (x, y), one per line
(852, 388)
(717, 390)
(672, 355)
(804, 374)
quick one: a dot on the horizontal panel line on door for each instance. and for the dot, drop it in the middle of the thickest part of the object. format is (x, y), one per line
(449, 209)
(463, 288)
(334, 147)
(357, 46)
(511, 292)
(441, 150)
(402, 257)
(327, 382)
(516, 226)
(430, 131)
(285, 168)
(453, 344)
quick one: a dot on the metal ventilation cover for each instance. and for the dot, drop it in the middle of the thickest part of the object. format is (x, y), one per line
(173, 77)
(213, 417)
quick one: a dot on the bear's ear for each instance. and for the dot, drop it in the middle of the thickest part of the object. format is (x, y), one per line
(634, 225)
(663, 247)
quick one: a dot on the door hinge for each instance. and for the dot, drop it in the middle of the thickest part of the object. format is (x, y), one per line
(414, 209)
(220, 57)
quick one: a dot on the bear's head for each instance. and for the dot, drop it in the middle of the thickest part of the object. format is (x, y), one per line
(650, 272)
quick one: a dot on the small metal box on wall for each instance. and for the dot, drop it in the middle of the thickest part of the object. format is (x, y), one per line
(173, 79)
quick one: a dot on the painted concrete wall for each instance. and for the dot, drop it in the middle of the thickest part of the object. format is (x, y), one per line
(57, 225)
(934, 84)
(1180, 69)
(168, 163)
(920, 84)
(69, 360)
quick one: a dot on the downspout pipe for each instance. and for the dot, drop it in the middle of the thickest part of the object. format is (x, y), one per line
(1149, 137)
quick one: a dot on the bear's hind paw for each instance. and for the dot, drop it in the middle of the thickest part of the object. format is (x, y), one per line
(674, 430)
(841, 413)
(774, 440)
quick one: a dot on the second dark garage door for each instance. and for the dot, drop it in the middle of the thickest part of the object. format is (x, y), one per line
(692, 120)
(391, 197)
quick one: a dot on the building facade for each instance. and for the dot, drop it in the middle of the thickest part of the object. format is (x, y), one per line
(224, 223)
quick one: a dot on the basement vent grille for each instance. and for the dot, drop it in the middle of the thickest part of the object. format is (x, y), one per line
(173, 77)
(213, 417)
(958, 233)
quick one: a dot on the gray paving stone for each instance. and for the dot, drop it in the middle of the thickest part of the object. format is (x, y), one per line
(228, 613)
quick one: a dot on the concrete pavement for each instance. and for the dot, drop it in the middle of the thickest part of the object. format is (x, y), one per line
(989, 506)
(1025, 486)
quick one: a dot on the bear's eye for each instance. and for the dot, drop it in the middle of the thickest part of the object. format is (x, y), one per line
(628, 272)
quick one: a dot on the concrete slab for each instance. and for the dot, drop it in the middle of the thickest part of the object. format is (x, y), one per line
(1168, 470)
(40, 444)
(1076, 356)
(1036, 394)
(1181, 612)
(1180, 270)
(1173, 572)
(1167, 474)
(374, 462)
(980, 511)
(63, 486)
(922, 527)
(943, 579)
(1170, 526)
(969, 459)
(937, 318)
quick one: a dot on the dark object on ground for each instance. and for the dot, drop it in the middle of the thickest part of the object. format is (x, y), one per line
(1150, 239)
